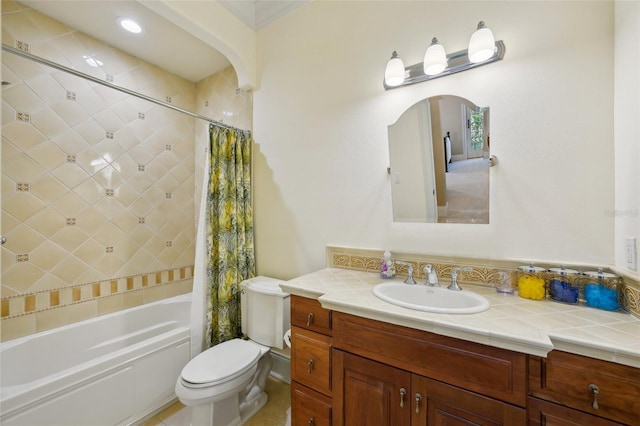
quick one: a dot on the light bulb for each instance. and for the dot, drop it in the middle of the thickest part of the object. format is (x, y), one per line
(394, 73)
(482, 45)
(435, 58)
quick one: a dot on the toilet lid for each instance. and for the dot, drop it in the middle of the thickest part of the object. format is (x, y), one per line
(221, 362)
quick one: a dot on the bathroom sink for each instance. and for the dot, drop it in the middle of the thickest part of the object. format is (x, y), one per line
(430, 299)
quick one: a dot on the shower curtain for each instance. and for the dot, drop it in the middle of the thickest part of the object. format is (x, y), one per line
(224, 244)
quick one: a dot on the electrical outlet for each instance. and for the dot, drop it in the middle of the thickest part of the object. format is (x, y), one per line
(631, 253)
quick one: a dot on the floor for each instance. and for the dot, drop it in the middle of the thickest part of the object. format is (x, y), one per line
(272, 414)
(467, 192)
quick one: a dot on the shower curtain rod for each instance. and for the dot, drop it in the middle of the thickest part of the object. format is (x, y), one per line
(80, 74)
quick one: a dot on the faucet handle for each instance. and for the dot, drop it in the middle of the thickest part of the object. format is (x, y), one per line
(454, 278)
(409, 266)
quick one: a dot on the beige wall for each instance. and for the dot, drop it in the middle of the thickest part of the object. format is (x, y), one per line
(98, 187)
(321, 117)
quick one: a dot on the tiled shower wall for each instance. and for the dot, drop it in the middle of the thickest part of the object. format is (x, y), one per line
(98, 187)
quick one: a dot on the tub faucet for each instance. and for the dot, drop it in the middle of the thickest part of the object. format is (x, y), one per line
(409, 266)
(431, 276)
(454, 278)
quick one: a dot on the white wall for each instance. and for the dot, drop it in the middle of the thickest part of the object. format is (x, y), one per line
(627, 132)
(321, 117)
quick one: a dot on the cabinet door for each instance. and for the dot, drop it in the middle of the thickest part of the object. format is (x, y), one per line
(438, 404)
(368, 393)
(549, 414)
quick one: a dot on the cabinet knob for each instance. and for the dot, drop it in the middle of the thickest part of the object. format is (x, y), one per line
(418, 400)
(311, 421)
(595, 390)
(403, 392)
(309, 319)
(310, 366)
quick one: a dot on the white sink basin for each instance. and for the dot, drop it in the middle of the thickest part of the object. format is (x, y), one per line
(430, 299)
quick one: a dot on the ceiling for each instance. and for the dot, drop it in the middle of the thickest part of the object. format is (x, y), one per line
(162, 42)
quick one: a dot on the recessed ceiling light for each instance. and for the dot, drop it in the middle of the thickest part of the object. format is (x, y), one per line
(130, 25)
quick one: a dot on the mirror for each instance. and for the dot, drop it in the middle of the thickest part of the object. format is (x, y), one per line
(439, 162)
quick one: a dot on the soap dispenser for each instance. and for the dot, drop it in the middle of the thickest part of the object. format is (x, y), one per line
(387, 268)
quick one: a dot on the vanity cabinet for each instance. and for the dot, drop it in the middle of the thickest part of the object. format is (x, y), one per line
(311, 358)
(372, 393)
(565, 387)
(385, 374)
(347, 370)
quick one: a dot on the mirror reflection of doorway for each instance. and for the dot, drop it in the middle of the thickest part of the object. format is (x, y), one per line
(467, 192)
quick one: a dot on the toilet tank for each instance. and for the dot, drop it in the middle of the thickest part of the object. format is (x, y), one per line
(265, 311)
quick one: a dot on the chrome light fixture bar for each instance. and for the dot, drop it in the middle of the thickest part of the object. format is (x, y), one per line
(457, 62)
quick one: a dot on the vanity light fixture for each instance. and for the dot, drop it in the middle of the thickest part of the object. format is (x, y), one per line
(394, 74)
(435, 59)
(482, 50)
(130, 25)
(482, 45)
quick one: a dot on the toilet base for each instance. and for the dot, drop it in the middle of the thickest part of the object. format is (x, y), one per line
(249, 408)
(227, 412)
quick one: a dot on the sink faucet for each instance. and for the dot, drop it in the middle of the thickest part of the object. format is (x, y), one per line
(454, 278)
(409, 266)
(431, 276)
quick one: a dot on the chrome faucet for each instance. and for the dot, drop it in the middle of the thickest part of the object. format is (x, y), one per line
(454, 278)
(409, 266)
(431, 276)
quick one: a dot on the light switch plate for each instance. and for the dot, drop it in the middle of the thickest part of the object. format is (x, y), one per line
(631, 253)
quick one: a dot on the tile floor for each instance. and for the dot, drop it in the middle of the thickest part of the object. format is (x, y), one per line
(272, 414)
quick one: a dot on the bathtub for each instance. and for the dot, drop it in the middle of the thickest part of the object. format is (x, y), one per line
(111, 370)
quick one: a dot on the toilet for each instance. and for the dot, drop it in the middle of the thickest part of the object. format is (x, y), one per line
(224, 385)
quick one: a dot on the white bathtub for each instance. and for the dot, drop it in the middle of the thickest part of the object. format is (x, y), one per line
(110, 370)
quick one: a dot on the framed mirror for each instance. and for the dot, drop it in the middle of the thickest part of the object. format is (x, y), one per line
(439, 162)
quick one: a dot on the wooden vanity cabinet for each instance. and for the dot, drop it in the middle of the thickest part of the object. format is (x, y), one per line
(498, 373)
(366, 372)
(385, 374)
(372, 393)
(311, 362)
(598, 390)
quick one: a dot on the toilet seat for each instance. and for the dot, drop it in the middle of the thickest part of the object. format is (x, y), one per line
(221, 363)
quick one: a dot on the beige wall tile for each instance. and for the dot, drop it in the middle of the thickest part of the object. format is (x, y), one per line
(82, 311)
(107, 305)
(52, 318)
(131, 299)
(13, 328)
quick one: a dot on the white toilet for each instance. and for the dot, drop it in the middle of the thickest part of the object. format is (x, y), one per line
(224, 385)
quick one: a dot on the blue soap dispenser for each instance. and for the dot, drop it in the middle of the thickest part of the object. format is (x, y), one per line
(387, 268)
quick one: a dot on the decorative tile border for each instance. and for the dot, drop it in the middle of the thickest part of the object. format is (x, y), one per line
(483, 273)
(29, 303)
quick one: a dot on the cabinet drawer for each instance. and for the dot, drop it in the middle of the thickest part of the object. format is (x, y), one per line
(566, 379)
(309, 407)
(491, 371)
(311, 359)
(309, 314)
(543, 413)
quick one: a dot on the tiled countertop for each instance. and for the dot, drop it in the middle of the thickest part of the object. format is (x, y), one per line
(527, 326)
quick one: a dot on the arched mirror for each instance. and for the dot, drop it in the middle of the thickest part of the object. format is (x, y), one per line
(439, 162)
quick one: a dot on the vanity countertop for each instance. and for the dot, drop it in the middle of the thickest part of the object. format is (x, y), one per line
(522, 325)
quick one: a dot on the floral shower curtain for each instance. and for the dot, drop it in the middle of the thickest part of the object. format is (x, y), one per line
(229, 231)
